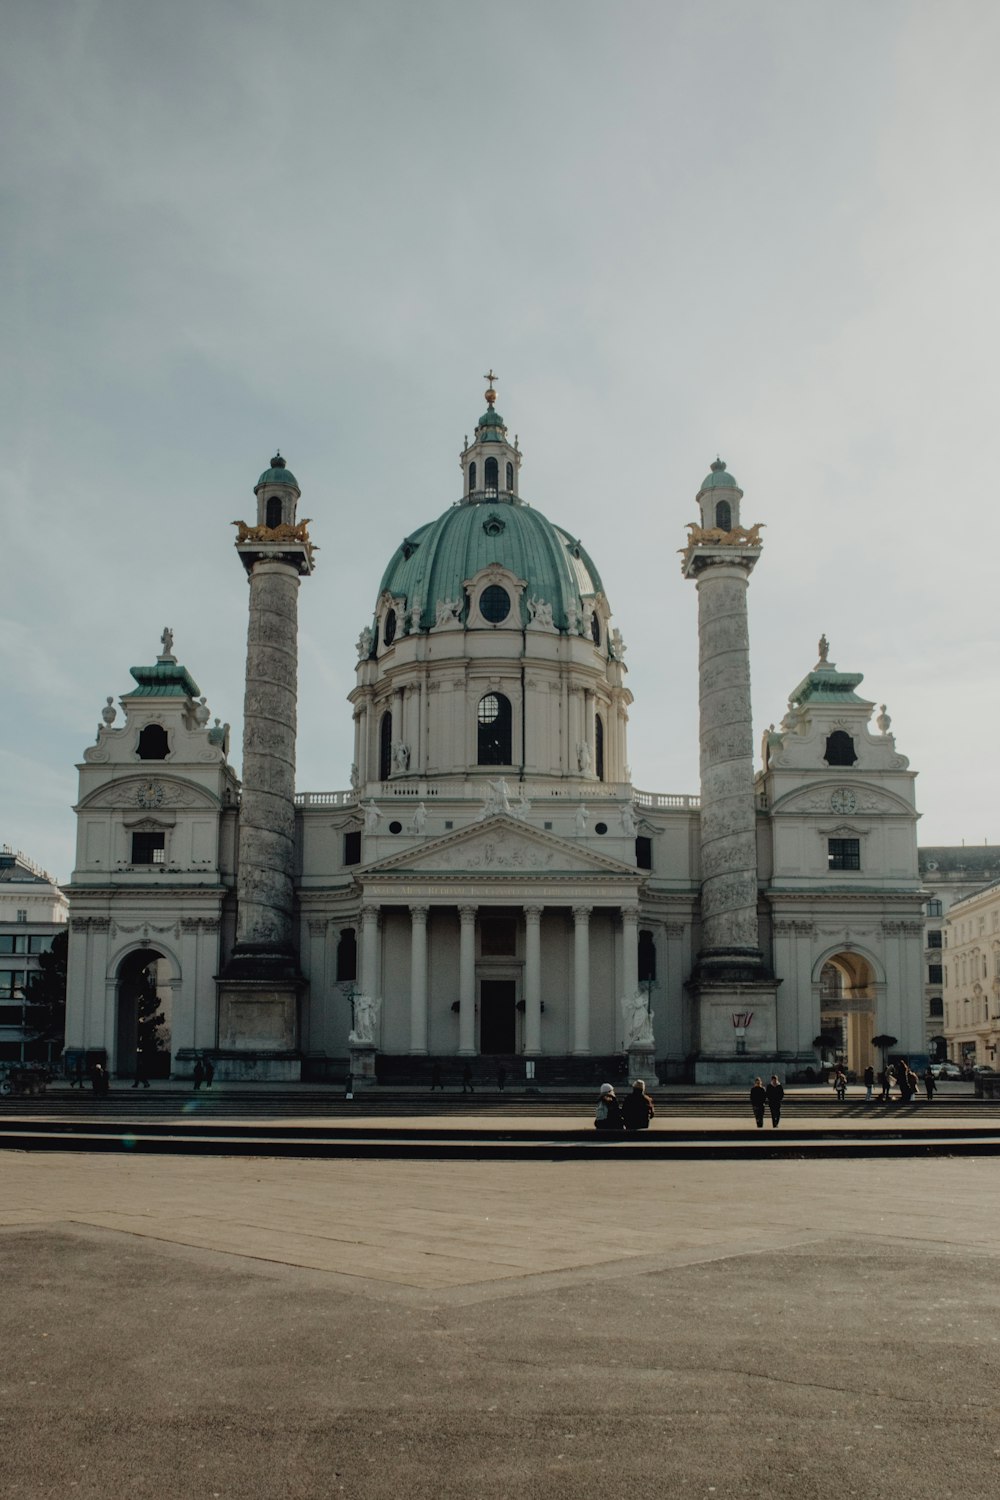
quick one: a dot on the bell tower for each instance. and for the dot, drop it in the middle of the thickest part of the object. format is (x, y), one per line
(260, 985)
(490, 464)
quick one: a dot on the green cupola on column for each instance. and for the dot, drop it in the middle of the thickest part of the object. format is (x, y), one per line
(490, 463)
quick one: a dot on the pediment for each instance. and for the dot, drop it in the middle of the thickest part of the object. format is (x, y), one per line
(842, 796)
(150, 792)
(501, 846)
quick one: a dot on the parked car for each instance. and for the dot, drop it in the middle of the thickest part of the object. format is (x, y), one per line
(946, 1070)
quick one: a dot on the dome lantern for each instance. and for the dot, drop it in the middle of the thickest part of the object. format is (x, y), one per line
(490, 463)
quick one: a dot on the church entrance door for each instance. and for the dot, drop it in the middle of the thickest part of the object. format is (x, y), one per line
(497, 1016)
(143, 1049)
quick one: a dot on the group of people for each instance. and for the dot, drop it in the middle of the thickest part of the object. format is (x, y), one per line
(767, 1096)
(634, 1112)
(899, 1075)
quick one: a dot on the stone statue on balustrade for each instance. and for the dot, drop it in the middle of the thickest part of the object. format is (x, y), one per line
(372, 816)
(366, 1013)
(637, 1021)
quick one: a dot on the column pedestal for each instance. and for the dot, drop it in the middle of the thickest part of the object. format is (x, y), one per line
(362, 1063)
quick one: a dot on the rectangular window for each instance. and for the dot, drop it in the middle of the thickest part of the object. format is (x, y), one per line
(844, 854)
(643, 852)
(149, 848)
(11, 1015)
(933, 909)
(352, 847)
(11, 943)
(934, 940)
(937, 1005)
(498, 937)
(40, 943)
(22, 916)
(934, 974)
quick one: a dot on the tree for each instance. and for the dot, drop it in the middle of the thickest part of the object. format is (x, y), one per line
(884, 1043)
(45, 992)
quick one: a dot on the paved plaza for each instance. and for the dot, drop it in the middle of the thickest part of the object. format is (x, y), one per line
(235, 1328)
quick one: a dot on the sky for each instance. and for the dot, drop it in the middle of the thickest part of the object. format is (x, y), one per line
(766, 229)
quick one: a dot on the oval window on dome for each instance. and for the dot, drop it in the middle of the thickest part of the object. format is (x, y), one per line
(389, 628)
(494, 604)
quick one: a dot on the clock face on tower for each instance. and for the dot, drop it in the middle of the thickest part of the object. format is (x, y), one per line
(149, 794)
(843, 801)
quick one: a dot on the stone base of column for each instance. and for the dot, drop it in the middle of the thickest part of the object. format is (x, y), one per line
(727, 1052)
(258, 998)
(362, 1064)
(642, 1064)
(243, 1067)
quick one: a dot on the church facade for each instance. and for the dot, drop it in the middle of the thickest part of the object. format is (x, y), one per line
(491, 884)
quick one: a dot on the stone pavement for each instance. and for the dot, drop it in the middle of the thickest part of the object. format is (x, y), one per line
(203, 1327)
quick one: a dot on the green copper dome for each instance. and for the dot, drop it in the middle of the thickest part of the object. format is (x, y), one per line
(434, 562)
(278, 473)
(490, 427)
(718, 479)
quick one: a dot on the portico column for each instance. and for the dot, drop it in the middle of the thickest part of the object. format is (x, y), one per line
(630, 953)
(532, 980)
(581, 980)
(418, 979)
(467, 983)
(369, 949)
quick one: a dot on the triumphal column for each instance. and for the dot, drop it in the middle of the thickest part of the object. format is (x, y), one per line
(730, 978)
(259, 987)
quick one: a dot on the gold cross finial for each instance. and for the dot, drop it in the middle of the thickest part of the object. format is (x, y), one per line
(491, 394)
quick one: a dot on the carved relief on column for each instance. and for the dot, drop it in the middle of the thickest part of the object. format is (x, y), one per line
(581, 980)
(532, 980)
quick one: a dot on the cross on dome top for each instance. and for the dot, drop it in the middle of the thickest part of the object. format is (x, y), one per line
(491, 394)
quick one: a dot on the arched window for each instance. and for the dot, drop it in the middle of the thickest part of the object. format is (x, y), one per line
(389, 628)
(472, 478)
(153, 743)
(647, 956)
(494, 730)
(272, 515)
(385, 747)
(491, 478)
(840, 749)
(595, 627)
(724, 515)
(347, 954)
(510, 476)
(599, 747)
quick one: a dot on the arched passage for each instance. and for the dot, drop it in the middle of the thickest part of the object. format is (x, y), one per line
(847, 1011)
(143, 1015)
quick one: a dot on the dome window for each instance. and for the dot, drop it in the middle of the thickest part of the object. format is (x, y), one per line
(494, 715)
(272, 515)
(389, 628)
(510, 476)
(494, 604)
(600, 827)
(395, 826)
(491, 478)
(472, 478)
(385, 747)
(595, 627)
(724, 515)
(599, 747)
(494, 525)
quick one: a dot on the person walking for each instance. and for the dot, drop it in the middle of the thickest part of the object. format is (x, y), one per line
(467, 1087)
(758, 1099)
(840, 1083)
(930, 1083)
(637, 1107)
(903, 1076)
(436, 1082)
(209, 1072)
(869, 1083)
(775, 1094)
(141, 1081)
(101, 1081)
(608, 1115)
(501, 1077)
(198, 1073)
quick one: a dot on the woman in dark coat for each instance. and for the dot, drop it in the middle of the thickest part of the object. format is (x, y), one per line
(758, 1098)
(775, 1093)
(637, 1109)
(609, 1111)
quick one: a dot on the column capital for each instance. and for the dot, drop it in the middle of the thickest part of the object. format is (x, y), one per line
(370, 913)
(533, 914)
(630, 914)
(467, 913)
(317, 926)
(419, 913)
(581, 914)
